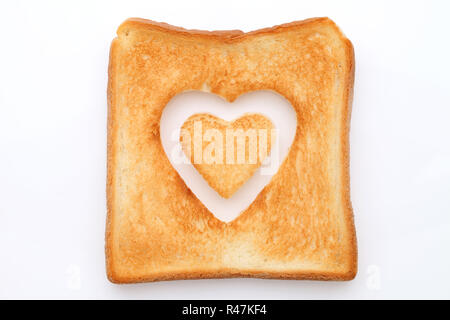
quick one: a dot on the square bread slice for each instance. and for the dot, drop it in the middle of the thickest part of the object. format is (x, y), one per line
(300, 226)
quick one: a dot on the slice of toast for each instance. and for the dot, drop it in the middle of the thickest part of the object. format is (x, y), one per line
(234, 163)
(301, 224)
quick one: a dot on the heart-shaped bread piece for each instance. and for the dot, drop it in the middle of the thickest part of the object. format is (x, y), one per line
(227, 153)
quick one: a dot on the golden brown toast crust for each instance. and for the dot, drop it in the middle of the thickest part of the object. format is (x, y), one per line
(300, 226)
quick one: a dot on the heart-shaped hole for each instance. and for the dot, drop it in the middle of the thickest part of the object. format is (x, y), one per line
(259, 109)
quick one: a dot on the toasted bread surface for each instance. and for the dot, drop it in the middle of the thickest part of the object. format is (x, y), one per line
(300, 226)
(234, 150)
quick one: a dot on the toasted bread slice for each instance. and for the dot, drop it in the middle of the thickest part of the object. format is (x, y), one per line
(233, 152)
(300, 226)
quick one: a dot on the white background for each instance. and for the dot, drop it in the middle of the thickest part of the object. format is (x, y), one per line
(53, 75)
